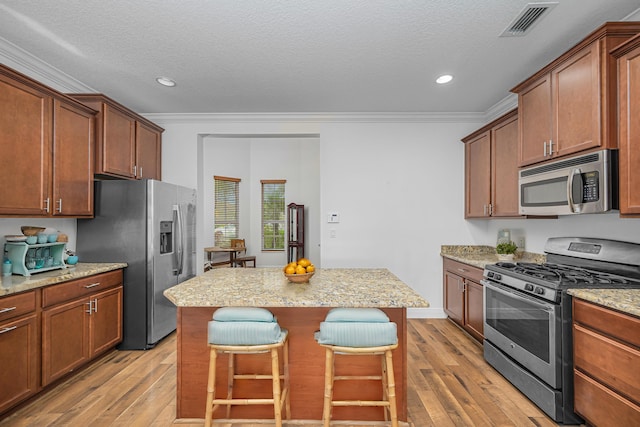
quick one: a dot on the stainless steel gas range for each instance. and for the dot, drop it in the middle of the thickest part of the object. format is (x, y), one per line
(527, 319)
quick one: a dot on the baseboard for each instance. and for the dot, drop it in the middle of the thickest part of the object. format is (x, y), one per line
(426, 313)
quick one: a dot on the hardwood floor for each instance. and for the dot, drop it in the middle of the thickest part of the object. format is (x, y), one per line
(449, 384)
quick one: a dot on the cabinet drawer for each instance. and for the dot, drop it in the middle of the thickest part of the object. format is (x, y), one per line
(77, 288)
(608, 361)
(602, 407)
(618, 325)
(16, 305)
(462, 269)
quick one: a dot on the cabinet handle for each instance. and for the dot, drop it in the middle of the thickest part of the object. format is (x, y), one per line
(484, 209)
(544, 154)
(59, 205)
(46, 202)
(95, 305)
(4, 310)
(140, 171)
(462, 270)
(490, 209)
(93, 285)
(551, 147)
(135, 170)
(3, 330)
(90, 304)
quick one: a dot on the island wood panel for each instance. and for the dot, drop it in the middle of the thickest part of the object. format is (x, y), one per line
(306, 365)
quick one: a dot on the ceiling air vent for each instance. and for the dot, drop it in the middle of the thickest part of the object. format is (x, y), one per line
(527, 18)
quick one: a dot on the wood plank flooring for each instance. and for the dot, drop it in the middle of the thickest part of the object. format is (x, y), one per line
(449, 384)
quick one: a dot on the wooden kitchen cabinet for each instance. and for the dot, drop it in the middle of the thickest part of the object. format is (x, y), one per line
(80, 320)
(19, 349)
(606, 352)
(463, 296)
(628, 56)
(491, 170)
(571, 105)
(47, 145)
(128, 146)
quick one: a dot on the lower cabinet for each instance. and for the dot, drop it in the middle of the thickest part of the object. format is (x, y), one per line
(48, 332)
(463, 300)
(606, 356)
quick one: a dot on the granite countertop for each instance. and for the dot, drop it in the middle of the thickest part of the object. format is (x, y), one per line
(625, 300)
(479, 256)
(15, 283)
(267, 287)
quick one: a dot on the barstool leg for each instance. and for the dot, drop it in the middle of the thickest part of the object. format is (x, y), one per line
(211, 387)
(275, 373)
(231, 376)
(391, 386)
(328, 387)
(385, 386)
(287, 385)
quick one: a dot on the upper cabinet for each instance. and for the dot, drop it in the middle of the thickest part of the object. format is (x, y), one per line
(629, 126)
(571, 104)
(127, 145)
(46, 146)
(491, 169)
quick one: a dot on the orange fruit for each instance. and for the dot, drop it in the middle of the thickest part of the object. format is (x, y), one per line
(300, 270)
(304, 262)
(311, 268)
(290, 269)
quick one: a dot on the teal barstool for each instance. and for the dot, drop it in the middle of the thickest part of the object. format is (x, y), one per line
(248, 330)
(359, 331)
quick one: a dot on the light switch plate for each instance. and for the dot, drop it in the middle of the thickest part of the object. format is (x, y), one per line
(334, 217)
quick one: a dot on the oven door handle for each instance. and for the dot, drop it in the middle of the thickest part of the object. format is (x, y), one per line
(546, 306)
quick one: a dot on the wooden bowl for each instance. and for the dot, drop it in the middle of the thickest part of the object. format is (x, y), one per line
(28, 230)
(299, 278)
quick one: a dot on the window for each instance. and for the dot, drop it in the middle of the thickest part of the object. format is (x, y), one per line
(273, 220)
(226, 210)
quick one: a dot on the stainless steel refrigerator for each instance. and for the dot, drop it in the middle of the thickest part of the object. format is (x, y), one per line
(151, 226)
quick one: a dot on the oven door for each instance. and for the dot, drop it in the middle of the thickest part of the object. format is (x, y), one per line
(525, 328)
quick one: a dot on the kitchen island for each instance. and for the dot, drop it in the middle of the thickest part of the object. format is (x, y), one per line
(299, 308)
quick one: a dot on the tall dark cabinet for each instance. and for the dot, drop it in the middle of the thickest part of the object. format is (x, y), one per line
(295, 232)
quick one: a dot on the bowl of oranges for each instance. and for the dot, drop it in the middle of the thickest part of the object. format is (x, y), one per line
(299, 271)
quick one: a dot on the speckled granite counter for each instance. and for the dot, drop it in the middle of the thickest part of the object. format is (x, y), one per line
(14, 284)
(479, 256)
(300, 308)
(624, 300)
(267, 287)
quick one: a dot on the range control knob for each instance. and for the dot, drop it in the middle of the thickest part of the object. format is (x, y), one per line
(490, 274)
(539, 290)
(528, 287)
(497, 276)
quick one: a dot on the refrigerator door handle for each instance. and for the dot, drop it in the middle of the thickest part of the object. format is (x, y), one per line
(179, 237)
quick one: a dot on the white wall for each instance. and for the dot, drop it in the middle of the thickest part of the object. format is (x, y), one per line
(399, 190)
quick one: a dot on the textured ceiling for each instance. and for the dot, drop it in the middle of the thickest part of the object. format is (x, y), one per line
(235, 56)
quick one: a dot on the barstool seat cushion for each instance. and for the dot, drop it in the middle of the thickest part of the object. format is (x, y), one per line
(345, 314)
(245, 333)
(243, 314)
(357, 334)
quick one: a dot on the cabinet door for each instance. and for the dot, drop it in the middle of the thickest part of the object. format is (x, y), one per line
(534, 121)
(629, 87)
(25, 147)
(119, 142)
(576, 103)
(65, 339)
(18, 360)
(504, 163)
(106, 320)
(474, 310)
(148, 152)
(478, 176)
(454, 297)
(72, 161)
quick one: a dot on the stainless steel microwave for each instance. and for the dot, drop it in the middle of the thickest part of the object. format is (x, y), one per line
(587, 183)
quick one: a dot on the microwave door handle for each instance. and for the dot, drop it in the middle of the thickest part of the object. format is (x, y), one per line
(574, 190)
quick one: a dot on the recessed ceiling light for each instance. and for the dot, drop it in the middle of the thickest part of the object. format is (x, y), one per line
(445, 78)
(166, 81)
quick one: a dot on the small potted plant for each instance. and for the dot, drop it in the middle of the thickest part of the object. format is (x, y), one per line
(506, 251)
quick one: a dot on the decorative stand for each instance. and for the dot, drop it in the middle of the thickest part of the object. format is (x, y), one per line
(295, 232)
(29, 259)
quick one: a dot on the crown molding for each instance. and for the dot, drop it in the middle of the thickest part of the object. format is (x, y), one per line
(26, 63)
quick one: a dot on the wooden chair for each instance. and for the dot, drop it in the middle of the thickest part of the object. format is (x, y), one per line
(242, 261)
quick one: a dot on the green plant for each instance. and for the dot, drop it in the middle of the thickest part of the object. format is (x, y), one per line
(506, 248)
